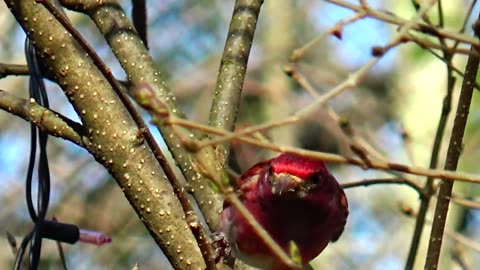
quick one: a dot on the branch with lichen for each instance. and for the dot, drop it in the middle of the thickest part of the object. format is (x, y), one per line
(111, 136)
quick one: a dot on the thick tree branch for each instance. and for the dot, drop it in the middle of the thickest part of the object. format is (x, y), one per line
(113, 137)
(231, 74)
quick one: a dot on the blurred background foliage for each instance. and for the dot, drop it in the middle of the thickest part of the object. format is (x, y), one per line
(395, 110)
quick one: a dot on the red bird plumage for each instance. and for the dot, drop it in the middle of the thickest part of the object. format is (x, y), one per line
(294, 198)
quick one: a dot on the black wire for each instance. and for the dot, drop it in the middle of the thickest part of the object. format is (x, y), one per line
(37, 91)
(31, 166)
(21, 251)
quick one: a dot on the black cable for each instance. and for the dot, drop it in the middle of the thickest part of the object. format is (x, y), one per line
(37, 91)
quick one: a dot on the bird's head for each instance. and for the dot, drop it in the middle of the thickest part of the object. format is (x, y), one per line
(292, 175)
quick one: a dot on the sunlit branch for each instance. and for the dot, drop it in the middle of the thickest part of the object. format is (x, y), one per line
(50, 121)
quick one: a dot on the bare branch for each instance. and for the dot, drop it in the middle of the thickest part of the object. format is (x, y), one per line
(398, 181)
(46, 119)
(228, 90)
(453, 155)
(11, 69)
(373, 164)
(393, 19)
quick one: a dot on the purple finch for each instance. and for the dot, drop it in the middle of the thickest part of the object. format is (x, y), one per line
(295, 199)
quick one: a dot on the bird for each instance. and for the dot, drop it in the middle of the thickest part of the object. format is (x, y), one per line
(296, 200)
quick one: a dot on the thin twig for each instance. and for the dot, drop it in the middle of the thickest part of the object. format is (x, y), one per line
(377, 181)
(351, 81)
(391, 18)
(346, 127)
(465, 202)
(336, 30)
(374, 164)
(463, 240)
(424, 43)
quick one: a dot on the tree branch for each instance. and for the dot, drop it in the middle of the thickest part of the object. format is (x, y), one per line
(46, 119)
(11, 69)
(393, 19)
(453, 154)
(328, 157)
(398, 181)
(231, 74)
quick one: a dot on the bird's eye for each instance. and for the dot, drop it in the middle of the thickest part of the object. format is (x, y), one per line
(316, 179)
(271, 173)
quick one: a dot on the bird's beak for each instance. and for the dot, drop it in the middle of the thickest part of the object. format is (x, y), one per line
(286, 183)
